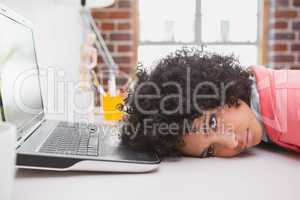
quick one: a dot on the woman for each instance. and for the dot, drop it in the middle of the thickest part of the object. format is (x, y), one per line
(201, 104)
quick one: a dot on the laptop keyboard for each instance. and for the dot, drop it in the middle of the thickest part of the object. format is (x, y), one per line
(73, 139)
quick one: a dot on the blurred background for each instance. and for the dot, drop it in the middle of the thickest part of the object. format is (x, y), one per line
(263, 32)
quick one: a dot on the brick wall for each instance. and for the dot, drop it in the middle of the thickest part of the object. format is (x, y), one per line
(119, 26)
(284, 36)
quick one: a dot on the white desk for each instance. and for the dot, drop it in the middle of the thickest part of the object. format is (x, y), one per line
(257, 174)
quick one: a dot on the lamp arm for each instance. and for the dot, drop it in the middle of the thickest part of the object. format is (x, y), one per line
(103, 50)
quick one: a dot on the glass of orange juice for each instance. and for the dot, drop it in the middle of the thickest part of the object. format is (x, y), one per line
(111, 107)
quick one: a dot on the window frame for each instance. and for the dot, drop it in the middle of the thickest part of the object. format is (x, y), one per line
(260, 38)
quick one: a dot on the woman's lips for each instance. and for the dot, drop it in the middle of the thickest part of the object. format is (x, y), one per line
(246, 142)
(249, 138)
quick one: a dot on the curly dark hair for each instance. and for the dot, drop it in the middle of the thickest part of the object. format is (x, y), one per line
(156, 98)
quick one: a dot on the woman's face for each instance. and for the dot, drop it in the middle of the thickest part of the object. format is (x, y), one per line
(223, 132)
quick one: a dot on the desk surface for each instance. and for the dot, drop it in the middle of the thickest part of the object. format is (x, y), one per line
(260, 173)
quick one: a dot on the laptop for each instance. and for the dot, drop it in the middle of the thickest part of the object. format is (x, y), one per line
(48, 144)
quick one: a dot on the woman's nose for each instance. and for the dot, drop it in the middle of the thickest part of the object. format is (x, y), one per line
(229, 139)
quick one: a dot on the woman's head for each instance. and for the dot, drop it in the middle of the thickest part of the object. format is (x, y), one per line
(225, 132)
(192, 103)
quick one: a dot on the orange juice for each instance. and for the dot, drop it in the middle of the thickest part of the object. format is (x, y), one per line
(111, 105)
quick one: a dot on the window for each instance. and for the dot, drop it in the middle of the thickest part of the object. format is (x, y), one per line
(225, 27)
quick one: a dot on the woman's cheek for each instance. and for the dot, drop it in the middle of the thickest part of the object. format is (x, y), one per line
(222, 152)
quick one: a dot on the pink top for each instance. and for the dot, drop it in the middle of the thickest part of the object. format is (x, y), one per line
(279, 94)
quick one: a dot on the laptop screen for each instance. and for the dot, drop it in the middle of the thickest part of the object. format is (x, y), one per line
(19, 81)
